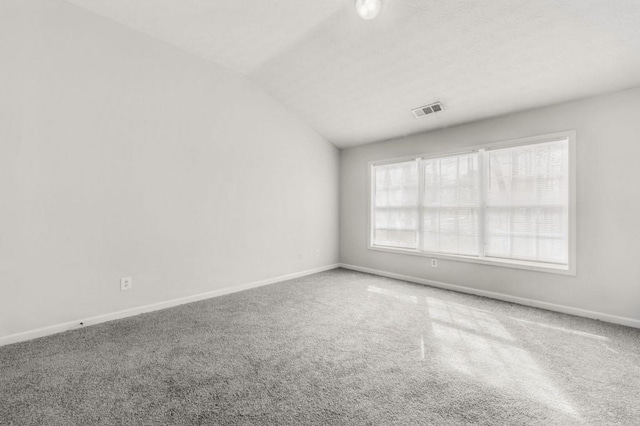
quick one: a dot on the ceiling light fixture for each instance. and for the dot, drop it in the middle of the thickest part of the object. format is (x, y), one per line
(368, 9)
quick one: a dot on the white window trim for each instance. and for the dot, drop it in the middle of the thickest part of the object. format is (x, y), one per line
(569, 269)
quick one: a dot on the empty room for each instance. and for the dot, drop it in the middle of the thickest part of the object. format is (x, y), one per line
(333, 212)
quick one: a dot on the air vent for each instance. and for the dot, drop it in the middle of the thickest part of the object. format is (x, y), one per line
(427, 109)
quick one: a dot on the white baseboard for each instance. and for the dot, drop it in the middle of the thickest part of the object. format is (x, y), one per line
(83, 322)
(630, 322)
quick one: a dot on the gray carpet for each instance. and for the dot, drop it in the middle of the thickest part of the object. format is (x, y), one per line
(338, 347)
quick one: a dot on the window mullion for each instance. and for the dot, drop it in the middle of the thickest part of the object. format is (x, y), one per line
(483, 202)
(420, 206)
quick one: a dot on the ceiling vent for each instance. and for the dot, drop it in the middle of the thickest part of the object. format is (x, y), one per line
(428, 109)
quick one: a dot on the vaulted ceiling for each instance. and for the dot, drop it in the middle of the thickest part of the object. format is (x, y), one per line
(356, 81)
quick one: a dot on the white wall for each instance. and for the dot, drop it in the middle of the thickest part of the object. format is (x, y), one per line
(608, 206)
(120, 155)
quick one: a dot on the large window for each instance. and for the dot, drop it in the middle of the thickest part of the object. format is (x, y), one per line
(508, 203)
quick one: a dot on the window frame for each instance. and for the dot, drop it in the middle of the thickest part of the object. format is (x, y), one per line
(569, 269)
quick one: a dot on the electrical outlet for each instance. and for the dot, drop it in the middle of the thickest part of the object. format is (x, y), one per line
(300, 256)
(126, 283)
(317, 253)
(434, 263)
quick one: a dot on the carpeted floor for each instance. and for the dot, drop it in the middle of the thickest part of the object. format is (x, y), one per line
(339, 347)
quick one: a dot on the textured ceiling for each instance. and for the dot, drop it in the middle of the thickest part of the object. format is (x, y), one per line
(356, 81)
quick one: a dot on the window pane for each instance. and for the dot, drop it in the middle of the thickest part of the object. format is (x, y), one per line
(527, 202)
(395, 205)
(451, 205)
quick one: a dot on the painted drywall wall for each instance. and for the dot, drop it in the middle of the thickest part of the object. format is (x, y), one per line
(608, 206)
(123, 156)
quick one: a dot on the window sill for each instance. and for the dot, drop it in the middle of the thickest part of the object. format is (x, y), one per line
(505, 263)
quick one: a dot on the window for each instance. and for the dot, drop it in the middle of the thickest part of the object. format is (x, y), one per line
(396, 205)
(451, 204)
(508, 203)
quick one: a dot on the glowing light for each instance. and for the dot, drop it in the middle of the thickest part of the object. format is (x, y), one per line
(368, 9)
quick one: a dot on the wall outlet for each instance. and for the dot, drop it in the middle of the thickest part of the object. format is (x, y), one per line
(126, 283)
(300, 256)
(317, 253)
(434, 263)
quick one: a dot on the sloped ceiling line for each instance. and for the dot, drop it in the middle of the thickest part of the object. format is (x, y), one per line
(356, 81)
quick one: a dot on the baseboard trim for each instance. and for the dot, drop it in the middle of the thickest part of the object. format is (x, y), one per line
(630, 322)
(83, 322)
